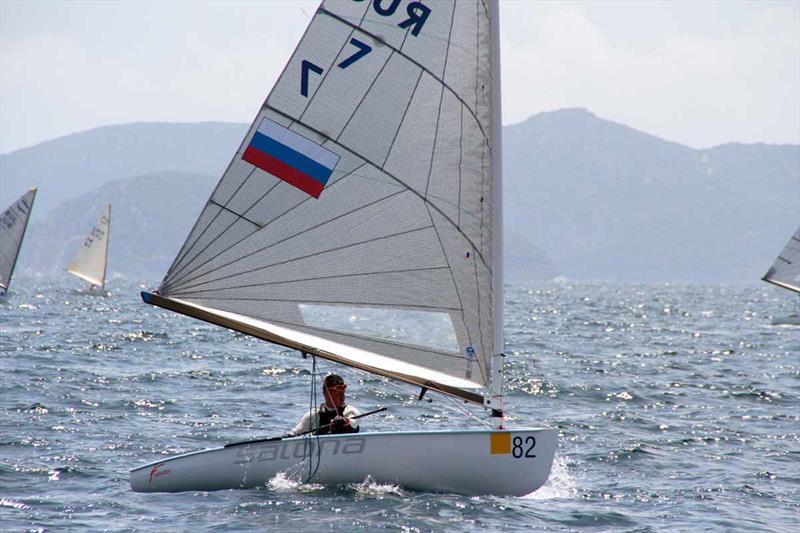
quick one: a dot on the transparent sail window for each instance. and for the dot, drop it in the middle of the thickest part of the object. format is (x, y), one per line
(420, 328)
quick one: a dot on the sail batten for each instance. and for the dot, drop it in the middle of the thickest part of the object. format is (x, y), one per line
(364, 184)
(785, 270)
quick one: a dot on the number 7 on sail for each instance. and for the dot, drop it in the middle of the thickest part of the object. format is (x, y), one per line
(291, 157)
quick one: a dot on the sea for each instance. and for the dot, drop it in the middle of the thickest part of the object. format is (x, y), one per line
(677, 407)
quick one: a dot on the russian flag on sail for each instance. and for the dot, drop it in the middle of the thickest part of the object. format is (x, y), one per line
(291, 157)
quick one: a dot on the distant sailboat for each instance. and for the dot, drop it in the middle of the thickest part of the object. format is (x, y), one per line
(785, 273)
(13, 223)
(368, 185)
(91, 260)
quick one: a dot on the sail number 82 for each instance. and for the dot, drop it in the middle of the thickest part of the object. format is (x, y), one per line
(523, 449)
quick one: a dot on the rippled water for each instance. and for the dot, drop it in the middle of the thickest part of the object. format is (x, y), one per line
(678, 409)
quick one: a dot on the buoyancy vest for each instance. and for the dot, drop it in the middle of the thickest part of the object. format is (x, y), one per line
(325, 416)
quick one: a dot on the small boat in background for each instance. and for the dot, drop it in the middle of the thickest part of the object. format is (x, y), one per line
(785, 272)
(13, 223)
(91, 260)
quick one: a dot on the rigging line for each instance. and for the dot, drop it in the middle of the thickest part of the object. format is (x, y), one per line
(417, 63)
(455, 284)
(441, 99)
(189, 279)
(313, 412)
(398, 180)
(178, 281)
(456, 407)
(335, 276)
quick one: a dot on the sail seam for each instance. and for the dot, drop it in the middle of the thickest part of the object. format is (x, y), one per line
(236, 154)
(332, 302)
(184, 287)
(191, 247)
(440, 80)
(460, 158)
(364, 97)
(441, 98)
(242, 217)
(330, 68)
(398, 180)
(402, 120)
(188, 280)
(290, 209)
(480, 320)
(455, 284)
(338, 276)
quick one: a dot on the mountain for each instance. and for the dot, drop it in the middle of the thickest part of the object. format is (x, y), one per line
(150, 218)
(585, 197)
(606, 201)
(69, 166)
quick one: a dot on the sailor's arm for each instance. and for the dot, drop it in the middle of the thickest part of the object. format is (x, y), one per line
(349, 412)
(305, 424)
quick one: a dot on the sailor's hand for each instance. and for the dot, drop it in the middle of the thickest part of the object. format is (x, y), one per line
(339, 422)
(288, 435)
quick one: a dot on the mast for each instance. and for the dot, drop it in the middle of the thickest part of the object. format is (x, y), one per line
(496, 402)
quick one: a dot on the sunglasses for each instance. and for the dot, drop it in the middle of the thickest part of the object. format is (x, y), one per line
(338, 386)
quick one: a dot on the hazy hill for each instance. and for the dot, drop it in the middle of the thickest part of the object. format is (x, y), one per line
(150, 218)
(606, 201)
(69, 166)
(602, 200)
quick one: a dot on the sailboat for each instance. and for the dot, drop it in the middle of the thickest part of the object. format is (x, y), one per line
(91, 260)
(785, 273)
(369, 185)
(13, 223)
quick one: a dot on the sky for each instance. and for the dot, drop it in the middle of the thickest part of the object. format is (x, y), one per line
(697, 73)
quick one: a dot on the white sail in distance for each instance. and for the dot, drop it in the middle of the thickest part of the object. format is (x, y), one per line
(361, 200)
(91, 260)
(785, 271)
(13, 223)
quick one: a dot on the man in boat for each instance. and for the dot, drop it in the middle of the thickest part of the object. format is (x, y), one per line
(332, 417)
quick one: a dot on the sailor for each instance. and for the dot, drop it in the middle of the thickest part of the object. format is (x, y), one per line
(332, 417)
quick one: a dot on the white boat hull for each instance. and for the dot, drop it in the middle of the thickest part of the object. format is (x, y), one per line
(511, 462)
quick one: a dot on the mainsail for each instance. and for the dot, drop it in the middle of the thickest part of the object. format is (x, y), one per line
(13, 223)
(91, 260)
(362, 196)
(785, 271)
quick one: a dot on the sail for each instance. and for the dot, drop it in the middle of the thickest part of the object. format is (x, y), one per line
(91, 259)
(13, 223)
(361, 199)
(785, 271)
